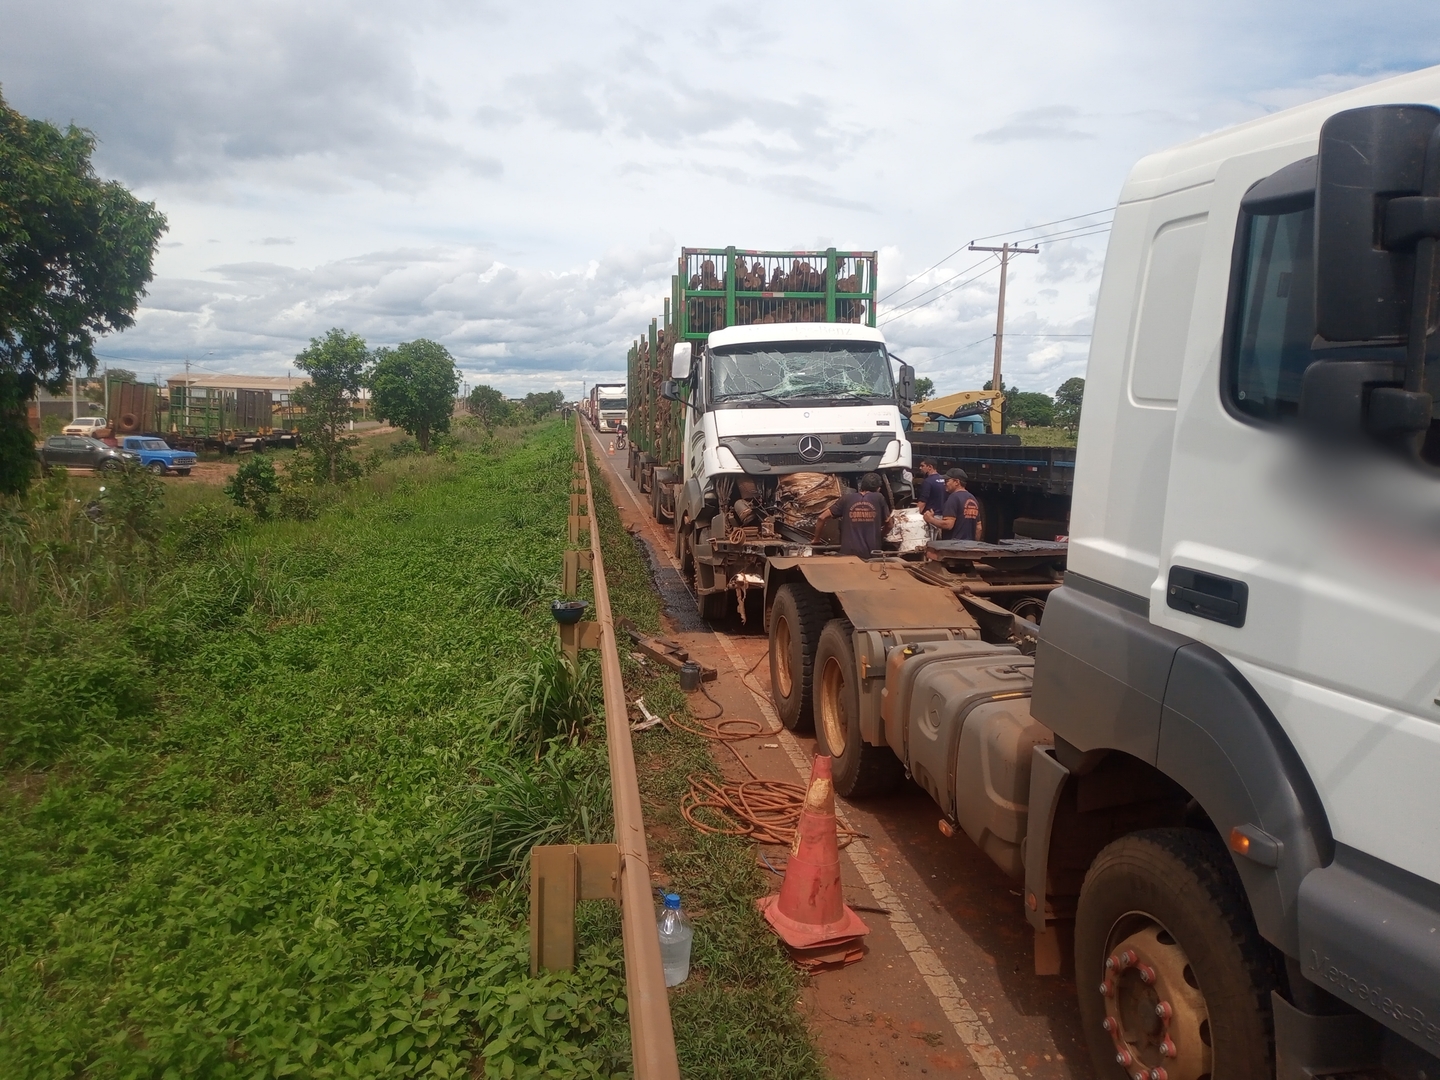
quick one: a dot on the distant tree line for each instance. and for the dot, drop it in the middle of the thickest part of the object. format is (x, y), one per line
(1029, 408)
(493, 409)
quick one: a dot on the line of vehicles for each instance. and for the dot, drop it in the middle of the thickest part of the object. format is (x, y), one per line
(1201, 731)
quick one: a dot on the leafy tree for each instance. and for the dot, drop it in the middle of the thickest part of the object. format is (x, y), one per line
(413, 386)
(542, 405)
(1029, 408)
(1067, 403)
(336, 366)
(75, 255)
(489, 406)
(924, 387)
(253, 486)
(120, 374)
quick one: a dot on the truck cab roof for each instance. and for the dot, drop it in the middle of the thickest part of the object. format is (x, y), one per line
(800, 331)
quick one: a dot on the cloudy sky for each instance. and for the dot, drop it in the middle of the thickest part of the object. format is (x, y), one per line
(515, 181)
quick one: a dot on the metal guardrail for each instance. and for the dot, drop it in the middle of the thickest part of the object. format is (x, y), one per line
(562, 874)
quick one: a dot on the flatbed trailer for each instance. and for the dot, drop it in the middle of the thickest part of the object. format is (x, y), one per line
(1023, 490)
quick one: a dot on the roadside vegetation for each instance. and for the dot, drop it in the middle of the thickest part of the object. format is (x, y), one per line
(736, 1016)
(270, 776)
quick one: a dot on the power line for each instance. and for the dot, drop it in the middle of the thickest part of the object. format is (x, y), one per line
(1045, 225)
(947, 292)
(1011, 232)
(942, 284)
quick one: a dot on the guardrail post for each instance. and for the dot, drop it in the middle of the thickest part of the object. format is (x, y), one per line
(576, 559)
(561, 874)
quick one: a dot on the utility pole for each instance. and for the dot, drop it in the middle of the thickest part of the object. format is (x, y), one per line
(1005, 250)
(74, 399)
(187, 369)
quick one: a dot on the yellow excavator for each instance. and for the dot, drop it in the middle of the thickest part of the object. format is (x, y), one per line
(943, 412)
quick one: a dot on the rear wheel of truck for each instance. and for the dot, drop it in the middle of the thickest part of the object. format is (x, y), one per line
(797, 618)
(183, 472)
(859, 768)
(1174, 979)
(713, 606)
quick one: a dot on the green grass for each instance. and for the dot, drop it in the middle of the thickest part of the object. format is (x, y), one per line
(1044, 436)
(258, 813)
(736, 1016)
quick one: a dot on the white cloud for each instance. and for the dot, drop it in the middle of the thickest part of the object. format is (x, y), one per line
(515, 181)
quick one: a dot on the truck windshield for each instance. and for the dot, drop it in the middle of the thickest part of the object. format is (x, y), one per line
(612, 403)
(786, 370)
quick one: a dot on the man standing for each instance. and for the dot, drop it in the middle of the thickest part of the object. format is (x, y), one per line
(959, 518)
(863, 517)
(931, 495)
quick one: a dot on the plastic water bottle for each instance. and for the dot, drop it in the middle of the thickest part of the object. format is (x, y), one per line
(675, 938)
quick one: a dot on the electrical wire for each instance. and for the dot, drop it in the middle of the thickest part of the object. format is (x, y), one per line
(952, 277)
(1046, 224)
(941, 296)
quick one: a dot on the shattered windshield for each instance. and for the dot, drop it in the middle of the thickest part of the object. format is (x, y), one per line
(784, 370)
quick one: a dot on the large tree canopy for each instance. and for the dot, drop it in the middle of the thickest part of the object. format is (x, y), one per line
(1068, 400)
(413, 386)
(75, 256)
(75, 250)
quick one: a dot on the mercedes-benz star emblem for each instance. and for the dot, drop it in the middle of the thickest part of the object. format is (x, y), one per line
(811, 448)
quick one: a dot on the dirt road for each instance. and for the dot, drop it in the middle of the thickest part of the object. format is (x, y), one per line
(947, 985)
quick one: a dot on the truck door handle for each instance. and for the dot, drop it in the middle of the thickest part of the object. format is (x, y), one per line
(1207, 596)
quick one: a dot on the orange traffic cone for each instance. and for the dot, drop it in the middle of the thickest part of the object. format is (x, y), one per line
(810, 911)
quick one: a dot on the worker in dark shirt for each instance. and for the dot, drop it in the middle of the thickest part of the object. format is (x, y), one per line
(931, 495)
(863, 518)
(959, 517)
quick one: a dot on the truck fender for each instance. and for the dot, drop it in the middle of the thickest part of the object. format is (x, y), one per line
(691, 501)
(1108, 679)
(1220, 742)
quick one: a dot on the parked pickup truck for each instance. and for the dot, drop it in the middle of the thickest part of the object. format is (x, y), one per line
(84, 425)
(157, 457)
(79, 450)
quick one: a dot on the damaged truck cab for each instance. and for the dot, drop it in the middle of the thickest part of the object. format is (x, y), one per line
(1214, 780)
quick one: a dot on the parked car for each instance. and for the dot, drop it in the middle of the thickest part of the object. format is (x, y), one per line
(84, 452)
(84, 425)
(157, 456)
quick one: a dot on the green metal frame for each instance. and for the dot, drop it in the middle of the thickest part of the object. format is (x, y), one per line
(657, 425)
(681, 291)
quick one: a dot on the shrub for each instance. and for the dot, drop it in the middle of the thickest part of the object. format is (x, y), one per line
(133, 500)
(253, 486)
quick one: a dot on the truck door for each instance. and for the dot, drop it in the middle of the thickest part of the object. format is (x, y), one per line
(1317, 574)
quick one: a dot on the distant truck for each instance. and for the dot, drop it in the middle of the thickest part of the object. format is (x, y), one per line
(1211, 769)
(608, 406)
(157, 456)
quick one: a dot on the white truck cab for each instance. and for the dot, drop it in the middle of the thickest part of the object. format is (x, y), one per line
(1250, 619)
(769, 400)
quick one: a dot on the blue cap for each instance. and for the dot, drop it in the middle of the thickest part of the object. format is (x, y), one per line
(672, 901)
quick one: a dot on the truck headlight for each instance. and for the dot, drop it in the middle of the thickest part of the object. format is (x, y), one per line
(726, 460)
(892, 453)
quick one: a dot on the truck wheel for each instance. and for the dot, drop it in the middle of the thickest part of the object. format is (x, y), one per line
(183, 472)
(156, 467)
(1174, 980)
(796, 620)
(859, 768)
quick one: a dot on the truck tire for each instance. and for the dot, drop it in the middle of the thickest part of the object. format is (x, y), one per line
(859, 768)
(797, 618)
(156, 467)
(183, 472)
(1162, 919)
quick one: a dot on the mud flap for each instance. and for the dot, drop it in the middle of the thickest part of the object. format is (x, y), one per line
(1047, 780)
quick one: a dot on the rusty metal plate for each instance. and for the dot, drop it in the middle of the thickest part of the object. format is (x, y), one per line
(880, 595)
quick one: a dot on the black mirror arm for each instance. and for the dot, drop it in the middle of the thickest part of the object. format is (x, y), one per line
(1414, 221)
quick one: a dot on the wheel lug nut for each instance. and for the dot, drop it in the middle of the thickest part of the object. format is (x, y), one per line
(1164, 1011)
(1147, 974)
(1108, 1024)
(1158, 1074)
(1167, 1047)
(1124, 1057)
(1104, 989)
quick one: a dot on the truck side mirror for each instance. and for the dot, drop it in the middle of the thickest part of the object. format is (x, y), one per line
(1377, 221)
(670, 390)
(680, 361)
(905, 387)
